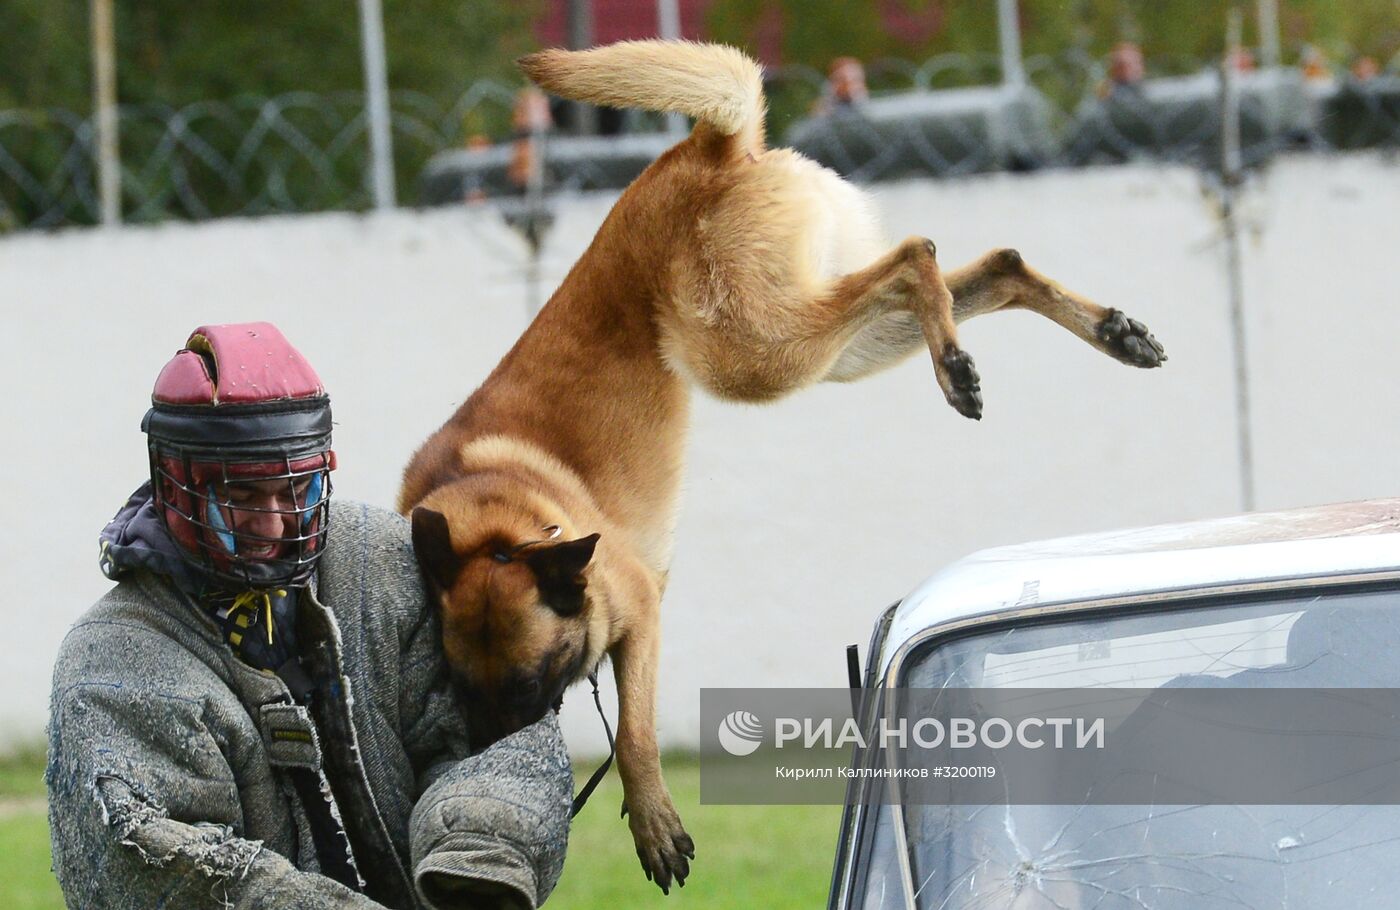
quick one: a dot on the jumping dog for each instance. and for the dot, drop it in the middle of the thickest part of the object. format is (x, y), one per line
(543, 510)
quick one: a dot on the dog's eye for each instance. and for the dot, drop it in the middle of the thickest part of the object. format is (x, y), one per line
(500, 557)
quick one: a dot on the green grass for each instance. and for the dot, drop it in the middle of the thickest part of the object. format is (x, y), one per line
(25, 880)
(746, 856)
(22, 772)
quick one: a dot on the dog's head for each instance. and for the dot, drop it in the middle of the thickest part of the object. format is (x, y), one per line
(513, 597)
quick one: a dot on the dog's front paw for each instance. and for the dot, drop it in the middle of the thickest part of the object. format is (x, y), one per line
(962, 385)
(662, 844)
(1129, 341)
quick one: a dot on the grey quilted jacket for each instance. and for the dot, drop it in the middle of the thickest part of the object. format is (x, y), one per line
(169, 758)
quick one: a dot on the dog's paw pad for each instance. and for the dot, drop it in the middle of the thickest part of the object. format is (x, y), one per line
(1130, 341)
(964, 391)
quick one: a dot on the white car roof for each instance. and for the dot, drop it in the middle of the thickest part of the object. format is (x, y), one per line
(1341, 539)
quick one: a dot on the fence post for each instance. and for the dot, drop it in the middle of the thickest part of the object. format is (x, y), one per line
(579, 24)
(381, 141)
(1009, 30)
(1231, 177)
(1270, 53)
(104, 96)
(668, 26)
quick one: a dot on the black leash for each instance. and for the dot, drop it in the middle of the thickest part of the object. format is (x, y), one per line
(598, 775)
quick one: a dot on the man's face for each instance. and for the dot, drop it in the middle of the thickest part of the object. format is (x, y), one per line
(848, 81)
(264, 514)
(252, 522)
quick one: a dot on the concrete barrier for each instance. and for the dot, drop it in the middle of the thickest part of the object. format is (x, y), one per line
(802, 520)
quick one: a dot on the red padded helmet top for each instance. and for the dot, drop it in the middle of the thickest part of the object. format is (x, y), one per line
(240, 363)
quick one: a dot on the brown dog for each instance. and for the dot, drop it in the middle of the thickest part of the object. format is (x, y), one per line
(543, 510)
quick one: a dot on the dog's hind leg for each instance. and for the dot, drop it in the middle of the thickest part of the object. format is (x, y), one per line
(908, 279)
(1001, 280)
(756, 332)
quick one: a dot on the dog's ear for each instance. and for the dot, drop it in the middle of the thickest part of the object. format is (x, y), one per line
(432, 543)
(559, 573)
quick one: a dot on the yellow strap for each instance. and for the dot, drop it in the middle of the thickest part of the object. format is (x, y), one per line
(245, 601)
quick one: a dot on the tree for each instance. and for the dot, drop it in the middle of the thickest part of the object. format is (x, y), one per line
(175, 52)
(813, 34)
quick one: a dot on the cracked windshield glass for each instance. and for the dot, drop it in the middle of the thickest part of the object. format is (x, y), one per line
(1117, 857)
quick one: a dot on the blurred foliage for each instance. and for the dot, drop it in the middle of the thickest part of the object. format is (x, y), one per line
(812, 34)
(1176, 36)
(175, 52)
(22, 770)
(172, 53)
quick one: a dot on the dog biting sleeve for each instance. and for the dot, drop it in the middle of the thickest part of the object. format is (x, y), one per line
(493, 825)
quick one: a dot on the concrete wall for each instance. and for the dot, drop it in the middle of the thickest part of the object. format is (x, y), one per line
(802, 519)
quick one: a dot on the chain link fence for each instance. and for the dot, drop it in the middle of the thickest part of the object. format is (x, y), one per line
(949, 115)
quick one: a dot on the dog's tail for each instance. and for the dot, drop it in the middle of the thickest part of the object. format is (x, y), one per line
(716, 85)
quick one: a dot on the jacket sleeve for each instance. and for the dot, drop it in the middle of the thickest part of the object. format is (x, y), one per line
(143, 806)
(495, 823)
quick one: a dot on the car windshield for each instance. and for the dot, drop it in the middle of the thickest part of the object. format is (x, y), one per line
(1119, 857)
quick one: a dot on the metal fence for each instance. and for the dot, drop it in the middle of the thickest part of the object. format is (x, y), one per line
(304, 152)
(298, 152)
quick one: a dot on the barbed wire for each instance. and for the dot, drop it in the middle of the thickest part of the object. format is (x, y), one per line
(304, 152)
(296, 152)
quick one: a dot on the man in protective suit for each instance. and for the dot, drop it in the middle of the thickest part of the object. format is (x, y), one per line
(258, 714)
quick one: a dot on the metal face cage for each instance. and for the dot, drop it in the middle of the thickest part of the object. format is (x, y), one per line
(209, 502)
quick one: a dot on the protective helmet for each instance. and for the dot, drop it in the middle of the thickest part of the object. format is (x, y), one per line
(240, 443)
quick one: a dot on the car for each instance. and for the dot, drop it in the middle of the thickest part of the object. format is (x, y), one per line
(1307, 599)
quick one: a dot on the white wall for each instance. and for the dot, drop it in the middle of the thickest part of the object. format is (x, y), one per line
(802, 519)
